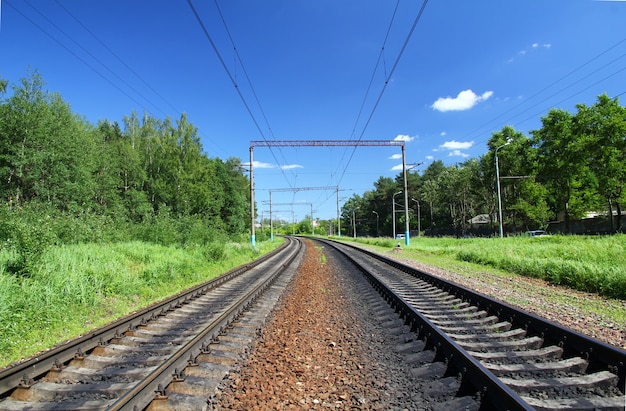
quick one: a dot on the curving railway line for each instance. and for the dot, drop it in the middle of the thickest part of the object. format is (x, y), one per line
(483, 354)
(163, 357)
(497, 356)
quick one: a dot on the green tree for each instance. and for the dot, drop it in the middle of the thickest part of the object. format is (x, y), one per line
(233, 189)
(560, 163)
(523, 197)
(459, 182)
(47, 151)
(602, 130)
(384, 188)
(107, 176)
(131, 172)
(431, 192)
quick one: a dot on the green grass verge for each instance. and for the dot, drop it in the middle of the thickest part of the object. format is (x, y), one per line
(75, 288)
(445, 254)
(591, 264)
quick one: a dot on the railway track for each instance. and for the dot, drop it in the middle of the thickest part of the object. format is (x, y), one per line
(168, 356)
(493, 355)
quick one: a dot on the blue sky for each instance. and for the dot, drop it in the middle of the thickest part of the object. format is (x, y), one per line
(323, 70)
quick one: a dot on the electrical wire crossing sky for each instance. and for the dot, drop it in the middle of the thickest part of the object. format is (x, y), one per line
(439, 77)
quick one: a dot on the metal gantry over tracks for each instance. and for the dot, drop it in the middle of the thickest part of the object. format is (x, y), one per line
(329, 143)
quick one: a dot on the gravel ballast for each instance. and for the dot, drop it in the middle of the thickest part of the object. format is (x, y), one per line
(331, 344)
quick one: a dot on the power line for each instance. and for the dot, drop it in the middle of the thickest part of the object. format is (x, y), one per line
(243, 67)
(77, 56)
(380, 56)
(380, 95)
(369, 86)
(118, 57)
(100, 62)
(94, 57)
(561, 90)
(232, 79)
(578, 92)
(137, 75)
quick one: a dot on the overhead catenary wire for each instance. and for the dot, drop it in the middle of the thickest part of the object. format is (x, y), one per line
(92, 68)
(252, 89)
(576, 93)
(569, 74)
(117, 57)
(232, 79)
(369, 86)
(94, 57)
(382, 91)
(380, 57)
(90, 54)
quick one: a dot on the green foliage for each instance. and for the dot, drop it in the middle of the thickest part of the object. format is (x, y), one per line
(27, 232)
(24, 238)
(151, 172)
(574, 164)
(46, 153)
(591, 264)
(73, 288)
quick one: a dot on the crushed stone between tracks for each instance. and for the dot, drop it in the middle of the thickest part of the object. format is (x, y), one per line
(324, 348)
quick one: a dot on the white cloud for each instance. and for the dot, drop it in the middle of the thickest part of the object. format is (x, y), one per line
(395, 157)
(456, 145)
(443, 134)
(258, 164)
(465, 100)
(291, 166)
(457, 153)
(404, 137)
(430, 158)
(534, 46)
(397, 168)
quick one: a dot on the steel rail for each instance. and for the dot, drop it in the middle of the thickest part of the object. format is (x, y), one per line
(598, 353)
(474, 374)
(144, 392)
(22, 373)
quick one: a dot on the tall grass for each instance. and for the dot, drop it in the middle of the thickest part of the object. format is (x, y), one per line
(592, 264)
(74, 287)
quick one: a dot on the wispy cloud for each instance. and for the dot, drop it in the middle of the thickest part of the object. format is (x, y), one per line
(258, 164)
(397, 167)
(465, 100)
(456, 145)
(403, 137)
(291, 166)
(395, 157)
(454, 148)
(457, 153)
(534, 46)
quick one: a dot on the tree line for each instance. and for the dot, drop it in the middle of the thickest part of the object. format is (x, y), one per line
(141, 172)
(573, 165)
(149, 178)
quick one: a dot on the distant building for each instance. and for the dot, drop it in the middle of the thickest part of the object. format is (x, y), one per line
(481, 220)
